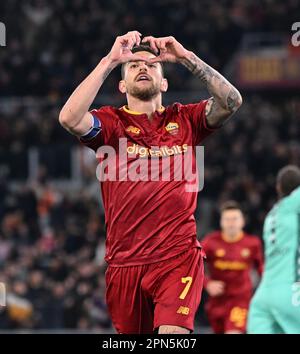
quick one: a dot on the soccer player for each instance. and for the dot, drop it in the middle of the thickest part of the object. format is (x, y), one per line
(155, 267)
(275, 307)
(231, 255)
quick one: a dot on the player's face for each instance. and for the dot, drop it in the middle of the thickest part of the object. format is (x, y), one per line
(232, 222)
(142, 79)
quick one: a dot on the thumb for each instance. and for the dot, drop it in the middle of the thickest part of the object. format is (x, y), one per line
(157, 59)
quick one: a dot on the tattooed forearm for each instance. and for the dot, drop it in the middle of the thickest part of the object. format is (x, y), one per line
(232, 99)
(225, 95)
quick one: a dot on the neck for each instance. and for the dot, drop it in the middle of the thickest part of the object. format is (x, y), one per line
(232, 237)
(148, 107)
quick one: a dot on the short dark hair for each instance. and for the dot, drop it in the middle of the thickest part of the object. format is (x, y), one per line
(288, 179)
(141, 48)
(230, 205)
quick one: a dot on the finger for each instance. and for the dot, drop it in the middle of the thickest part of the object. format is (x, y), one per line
(128, 43)
(134, 32)
(146, 39)
(154, 44)
(165, 41)
(157, 59)
(170, 39)
(132, 57)
(137, 38)
(162, 45)
(151, 41)
(130, 34)
(132, 42)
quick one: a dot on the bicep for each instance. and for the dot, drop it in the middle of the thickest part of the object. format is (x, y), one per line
(83, 126)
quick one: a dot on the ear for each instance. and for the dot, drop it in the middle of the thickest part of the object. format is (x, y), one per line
(278, 190)
(164, 85)
(244, 221)
(122, 86)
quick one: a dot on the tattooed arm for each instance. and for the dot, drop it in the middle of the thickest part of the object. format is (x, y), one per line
(225, 99)
(74, 115)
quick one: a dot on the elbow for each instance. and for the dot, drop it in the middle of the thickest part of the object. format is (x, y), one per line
(234, 101)
(239, 100)
(70, 122)
(65, 119)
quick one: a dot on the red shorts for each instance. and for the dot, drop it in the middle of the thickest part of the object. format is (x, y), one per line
(228, 313)
(142, 298)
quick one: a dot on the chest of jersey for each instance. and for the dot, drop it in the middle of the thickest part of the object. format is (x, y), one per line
(162, 130)
(231, 256)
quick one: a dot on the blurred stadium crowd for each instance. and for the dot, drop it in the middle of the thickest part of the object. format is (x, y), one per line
(51, 241)
(54, 44)
(52, 259)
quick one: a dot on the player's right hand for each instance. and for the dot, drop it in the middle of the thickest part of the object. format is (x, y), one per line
(215, 288)
(121, 50)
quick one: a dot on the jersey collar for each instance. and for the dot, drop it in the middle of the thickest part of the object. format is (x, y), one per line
(127, 110)
(229, 240)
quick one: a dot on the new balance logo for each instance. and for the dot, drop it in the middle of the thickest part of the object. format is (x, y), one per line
(183, 310)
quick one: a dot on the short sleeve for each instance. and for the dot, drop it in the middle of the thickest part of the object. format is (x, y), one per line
(196, 114)
(107, 122)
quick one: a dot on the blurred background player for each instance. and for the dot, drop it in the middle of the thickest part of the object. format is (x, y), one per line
(275, 307)
(231, 255)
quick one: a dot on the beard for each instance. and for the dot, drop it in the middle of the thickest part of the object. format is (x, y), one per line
(144, 93)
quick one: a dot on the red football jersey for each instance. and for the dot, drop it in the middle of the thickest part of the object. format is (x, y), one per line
(231, 262)
(149, 221)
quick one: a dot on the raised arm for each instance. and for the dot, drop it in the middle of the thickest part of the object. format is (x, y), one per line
(74, 115)
(225, 99)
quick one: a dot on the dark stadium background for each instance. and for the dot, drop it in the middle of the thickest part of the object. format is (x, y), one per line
(51, 220)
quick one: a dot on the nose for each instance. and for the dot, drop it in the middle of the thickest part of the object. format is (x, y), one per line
(143, 66)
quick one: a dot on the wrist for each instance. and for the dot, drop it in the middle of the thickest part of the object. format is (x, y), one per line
(186, 56)
(109, 62)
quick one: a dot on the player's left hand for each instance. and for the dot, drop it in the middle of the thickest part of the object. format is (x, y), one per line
(169, 48)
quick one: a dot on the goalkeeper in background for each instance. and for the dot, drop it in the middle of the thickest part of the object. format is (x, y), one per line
(275, 307)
